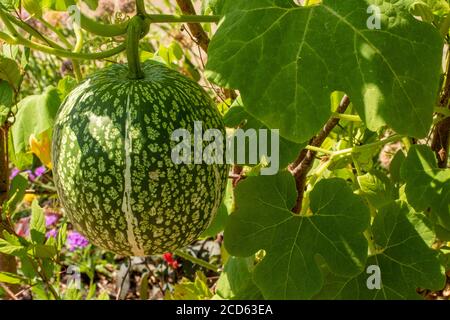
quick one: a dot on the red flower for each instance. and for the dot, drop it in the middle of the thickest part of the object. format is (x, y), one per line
(168, 257)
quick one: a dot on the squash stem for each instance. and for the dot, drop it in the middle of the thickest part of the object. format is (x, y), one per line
(135, 28)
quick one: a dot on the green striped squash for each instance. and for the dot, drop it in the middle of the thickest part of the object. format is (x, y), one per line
(112, 164)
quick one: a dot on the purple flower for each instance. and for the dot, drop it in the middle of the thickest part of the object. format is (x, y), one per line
(14, 172)
(50, 220)
(52, 233)
(39, 171)
(31, 176)
(76, 241)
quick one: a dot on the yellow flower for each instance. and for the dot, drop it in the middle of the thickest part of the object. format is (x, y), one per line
(42, 149)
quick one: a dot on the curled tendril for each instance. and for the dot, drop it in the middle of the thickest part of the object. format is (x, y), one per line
(121, 17)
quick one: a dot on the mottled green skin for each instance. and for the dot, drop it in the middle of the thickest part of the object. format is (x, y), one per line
(112, 161)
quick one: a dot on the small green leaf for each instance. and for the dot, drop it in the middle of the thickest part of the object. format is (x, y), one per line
(43, 251)
(12, 278)
(72, 292)
(92, 291)
(65, 86)
(103, 295)
(422, 10)
(143, 289)
(10, 72)
(236, 280)
(61, 237)
(377, 188)
(22, 160)
(58, 5)
(6, 100)
(10, 4)
(26, 266)
(167, 54)
(33, 7)
(37, 223)
(263, 220)
(395, 166)
(187, 290)
(11, 249)
(176, 50)
(39, 291)
(16, 191)
(48, 266)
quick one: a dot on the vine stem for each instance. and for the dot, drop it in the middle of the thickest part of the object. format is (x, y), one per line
(32, 31)
(445, 112)
(440, 143)
(201, 37)
(19, 40)
(140, 7)
(134, 32)
(167, 18)
(357, 149)
(305, 160)
(195, 260)
(347, 117)
(7, 262)
(11, 294)
(113, 30)
(78, 46)
(92, 26)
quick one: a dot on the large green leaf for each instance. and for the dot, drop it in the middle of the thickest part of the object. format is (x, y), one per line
(263, 220)
(406, 261)
(36, 114)
(237, 116)
(286, 60)
(427, 186)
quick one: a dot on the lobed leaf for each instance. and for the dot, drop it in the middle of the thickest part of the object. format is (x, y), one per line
(263, 220)
(406, 261)
(286, 60)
